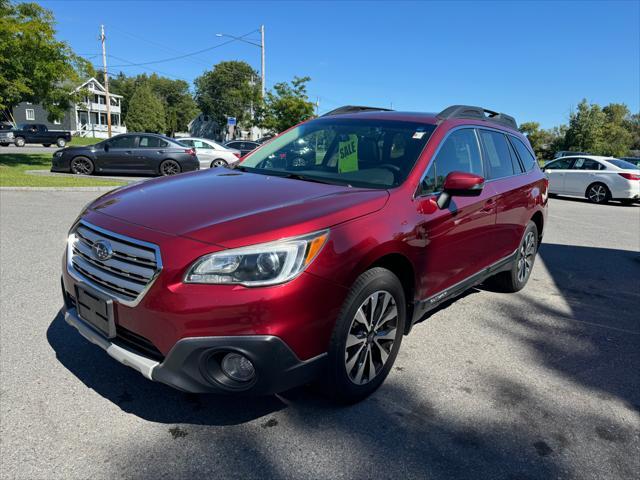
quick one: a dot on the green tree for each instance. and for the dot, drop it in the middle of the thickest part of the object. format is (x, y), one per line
(146, 112)
(286, 105)
(617, 137)
(544, 142)
(121, 85)
(179, 106)
(34, 66)
(231, 89)
(586, 128)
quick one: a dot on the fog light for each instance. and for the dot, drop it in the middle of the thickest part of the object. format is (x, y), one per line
(238, 367)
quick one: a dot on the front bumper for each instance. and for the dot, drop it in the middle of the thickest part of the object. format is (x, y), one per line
(192, 365)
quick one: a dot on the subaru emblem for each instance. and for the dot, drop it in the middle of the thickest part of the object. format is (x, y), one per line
(102, 250)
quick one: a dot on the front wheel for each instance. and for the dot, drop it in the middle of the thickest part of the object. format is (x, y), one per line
(598, 193)
(19, 142)
(366, 337)
(61, 142)
(517, 277)
(218, 162)
(169, 167)
(82, 166)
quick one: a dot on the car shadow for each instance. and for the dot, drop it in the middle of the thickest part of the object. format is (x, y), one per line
(584, 200)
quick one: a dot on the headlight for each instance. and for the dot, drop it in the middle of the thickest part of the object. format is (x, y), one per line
(58, 154)
(258, 265)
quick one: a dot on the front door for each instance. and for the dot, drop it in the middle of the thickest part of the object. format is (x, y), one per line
(556, 172)
(456, 240)
(118, 155)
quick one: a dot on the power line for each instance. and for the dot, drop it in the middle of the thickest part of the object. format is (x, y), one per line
(179, 57)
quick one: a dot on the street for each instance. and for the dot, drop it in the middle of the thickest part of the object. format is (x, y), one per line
(540, 384)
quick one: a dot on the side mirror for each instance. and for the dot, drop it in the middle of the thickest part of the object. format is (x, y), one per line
(460, 184)
(106, 147)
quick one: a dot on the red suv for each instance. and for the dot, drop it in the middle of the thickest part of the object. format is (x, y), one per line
(311, 259)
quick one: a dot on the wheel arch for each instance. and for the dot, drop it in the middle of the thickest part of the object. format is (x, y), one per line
(538, 219)
(600, 181)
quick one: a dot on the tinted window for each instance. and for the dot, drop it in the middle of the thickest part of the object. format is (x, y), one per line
(188, 143)
(622, 164)
(517, 166)
(526, 157)
(123, 142)
(460, 153)
(497, 154)
(559, 164)
(152, 142)
(234, 145)
(586, 164)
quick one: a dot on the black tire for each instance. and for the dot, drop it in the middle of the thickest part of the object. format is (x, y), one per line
(516, 278)
(218, 162)
(61, 142)
(47, 145)
(169, 167)
(598, 193)
(82, 166)
(19, 142)
(340, 381)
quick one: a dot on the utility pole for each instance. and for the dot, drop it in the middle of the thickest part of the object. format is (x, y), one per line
(263, 62)
(317, 106)
(106, 80)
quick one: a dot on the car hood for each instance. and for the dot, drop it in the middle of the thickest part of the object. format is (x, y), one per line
(232, 208)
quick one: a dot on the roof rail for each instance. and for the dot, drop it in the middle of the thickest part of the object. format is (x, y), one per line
(478, 113)
(354, 109)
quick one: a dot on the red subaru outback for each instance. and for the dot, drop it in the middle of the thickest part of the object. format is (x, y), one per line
(312, 258)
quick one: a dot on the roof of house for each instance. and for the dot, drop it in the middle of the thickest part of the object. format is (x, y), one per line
(97, 86)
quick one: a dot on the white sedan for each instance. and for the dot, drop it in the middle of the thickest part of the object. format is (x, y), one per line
(210, 153)
(599, 179)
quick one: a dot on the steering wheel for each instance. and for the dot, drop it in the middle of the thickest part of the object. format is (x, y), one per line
(394, 169)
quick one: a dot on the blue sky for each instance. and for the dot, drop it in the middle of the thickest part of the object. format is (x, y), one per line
(534, 60)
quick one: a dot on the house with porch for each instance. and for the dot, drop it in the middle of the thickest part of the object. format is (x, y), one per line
(87, 118)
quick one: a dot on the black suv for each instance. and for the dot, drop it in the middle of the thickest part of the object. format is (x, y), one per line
(136, 153)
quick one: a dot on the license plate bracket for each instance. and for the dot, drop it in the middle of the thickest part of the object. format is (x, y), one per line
(97, 310)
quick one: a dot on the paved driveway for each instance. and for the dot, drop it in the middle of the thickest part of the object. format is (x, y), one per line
(541, 384)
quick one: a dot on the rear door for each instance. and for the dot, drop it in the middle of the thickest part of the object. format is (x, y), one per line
(150, 152)
(556, 172)
(459, 238)
(582, 173)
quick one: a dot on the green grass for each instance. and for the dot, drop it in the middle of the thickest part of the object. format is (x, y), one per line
(78, 141)
(13, 169)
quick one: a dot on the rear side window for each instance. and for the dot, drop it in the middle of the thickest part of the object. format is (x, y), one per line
(459, 153)
(152, 142)
(561, 164)
(586, 164)
(497, 155)
(526, 157)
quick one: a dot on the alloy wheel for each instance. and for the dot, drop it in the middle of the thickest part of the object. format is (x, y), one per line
(371, 337)
(81, 166)
(218, 163)
(526, 256)
(169, 167)
(597, 193)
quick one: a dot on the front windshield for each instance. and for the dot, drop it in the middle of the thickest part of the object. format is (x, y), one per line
(623, 164)
(357, 152)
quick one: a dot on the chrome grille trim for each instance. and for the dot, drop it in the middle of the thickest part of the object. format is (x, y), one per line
(126, 276)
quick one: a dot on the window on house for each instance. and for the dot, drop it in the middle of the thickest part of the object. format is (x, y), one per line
(57, 122)
(30, 114)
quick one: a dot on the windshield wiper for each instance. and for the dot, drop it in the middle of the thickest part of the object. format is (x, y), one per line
(296, 176)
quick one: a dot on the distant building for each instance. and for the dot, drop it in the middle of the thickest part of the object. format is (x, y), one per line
(86, 119)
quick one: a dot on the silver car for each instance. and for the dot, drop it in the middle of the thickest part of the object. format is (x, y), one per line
(210, 153)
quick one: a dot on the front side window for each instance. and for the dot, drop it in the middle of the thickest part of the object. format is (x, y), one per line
(459, 153)
(586, 164)
(526, 157)
(152, 142)
(497, 154)
(127, 141)
(348, 151)
(562, 164)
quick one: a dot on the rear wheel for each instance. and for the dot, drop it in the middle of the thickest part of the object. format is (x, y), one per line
(82, 166)
(598, 193)
(169, 167)
(19, 141)
(218, 162)
(61, 142)
(517, 277)
(366, 337)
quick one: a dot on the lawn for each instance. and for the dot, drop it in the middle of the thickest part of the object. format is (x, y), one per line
(13, 169)
(79, 141)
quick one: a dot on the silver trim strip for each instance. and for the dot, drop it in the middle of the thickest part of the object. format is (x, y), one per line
(142, 364)
(79, 277)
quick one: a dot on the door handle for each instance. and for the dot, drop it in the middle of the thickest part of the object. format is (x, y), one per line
(129, 152)
(489, 205)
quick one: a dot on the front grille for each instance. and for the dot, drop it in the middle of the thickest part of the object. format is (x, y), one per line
(132, 341)
(132, 265)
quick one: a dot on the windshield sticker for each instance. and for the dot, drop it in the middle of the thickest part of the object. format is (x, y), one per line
(348, 155)
(418, 135)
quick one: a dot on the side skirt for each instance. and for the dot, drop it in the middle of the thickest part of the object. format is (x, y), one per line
(422, 307)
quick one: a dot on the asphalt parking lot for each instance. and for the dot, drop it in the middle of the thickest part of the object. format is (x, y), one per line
(29, 149)
(541, 384)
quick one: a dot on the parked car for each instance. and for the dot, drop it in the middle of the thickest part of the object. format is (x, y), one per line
(6, 135)
(36, 133)
(139, 153)
(568, 153)
(272, 275)
(245, 146)
(210, 153)
(599, 179)
(633, 160)
(265, 138)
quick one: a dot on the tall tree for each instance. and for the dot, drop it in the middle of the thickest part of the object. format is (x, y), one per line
(179, 106)
(286, 105)
(34, 66)
(146, 112)
(586, 127)
(544, 142)
(231, 89)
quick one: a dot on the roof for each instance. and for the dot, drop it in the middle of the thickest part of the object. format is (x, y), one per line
(100, 87)
(391, 115)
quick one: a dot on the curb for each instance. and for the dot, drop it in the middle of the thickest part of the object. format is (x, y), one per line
(57, 189)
